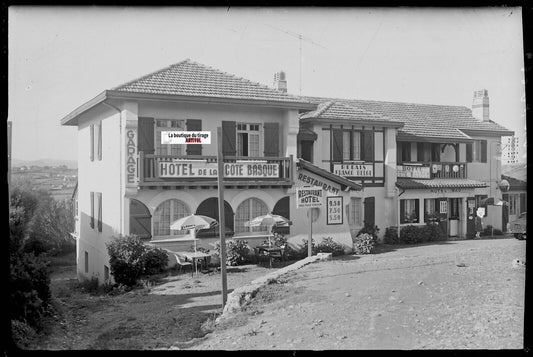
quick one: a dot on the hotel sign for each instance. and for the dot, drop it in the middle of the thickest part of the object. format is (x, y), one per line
(200, 169)
(413, 171)
(309, 197)
(354, 170)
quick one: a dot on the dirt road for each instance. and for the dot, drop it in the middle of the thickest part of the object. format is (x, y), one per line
(453, 295)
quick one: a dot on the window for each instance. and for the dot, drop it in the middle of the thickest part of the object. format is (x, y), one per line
(351, 145)
(404, 152)
(167, 125)
(513, 199)
(480, 151)
(86, 262)
(248, 140)
(166, 213)
(429, 210)
(409, 211)
(248, 210)
(92, 210)
(96, 140)
(354, 212)
(378, 146)
(454, 208)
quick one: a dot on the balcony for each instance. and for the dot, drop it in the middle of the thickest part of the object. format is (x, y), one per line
(201, 171)
(432, 170)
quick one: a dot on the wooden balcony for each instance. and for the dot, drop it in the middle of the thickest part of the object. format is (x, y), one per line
(201, 171)
(432, 170)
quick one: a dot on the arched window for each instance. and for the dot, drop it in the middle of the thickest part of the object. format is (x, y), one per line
(166, 213)
(247, 210)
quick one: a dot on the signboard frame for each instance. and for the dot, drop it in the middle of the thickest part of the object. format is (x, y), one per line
(311, 204)
(329, 201)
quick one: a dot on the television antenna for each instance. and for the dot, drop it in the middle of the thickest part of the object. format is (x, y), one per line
(300, 37)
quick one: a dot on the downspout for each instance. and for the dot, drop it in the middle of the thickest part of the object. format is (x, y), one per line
(398, 209)
(120, 163)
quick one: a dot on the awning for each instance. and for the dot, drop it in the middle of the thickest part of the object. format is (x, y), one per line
(438, 183)
(492, 201)
(342, 181)
(306, 134)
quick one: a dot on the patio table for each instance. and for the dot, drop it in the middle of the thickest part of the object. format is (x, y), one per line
(194, 257)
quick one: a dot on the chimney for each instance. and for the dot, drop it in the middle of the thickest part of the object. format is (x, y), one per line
(480, 105)
(280, 83)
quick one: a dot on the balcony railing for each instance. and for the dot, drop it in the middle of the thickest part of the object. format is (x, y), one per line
(432, 170)
(202, 170)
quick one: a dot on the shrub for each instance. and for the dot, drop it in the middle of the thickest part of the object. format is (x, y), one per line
(237, 252)
(130, 258)
(328, 245)
(364, 244)
(369, 229)
(279, 240)
(302, 252)
(433, 232)
(391, 235)
(22, 333)
(411, 235)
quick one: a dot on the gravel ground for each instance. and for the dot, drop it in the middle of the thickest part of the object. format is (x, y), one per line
(451, 295)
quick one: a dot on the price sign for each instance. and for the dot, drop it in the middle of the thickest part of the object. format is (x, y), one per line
(335, 210)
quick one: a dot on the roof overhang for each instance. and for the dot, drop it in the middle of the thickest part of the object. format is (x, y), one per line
(426, 139)
(306, 134)
(382, 123)
(71, 118)
(475, 132)
(343, 182)
(439, 183)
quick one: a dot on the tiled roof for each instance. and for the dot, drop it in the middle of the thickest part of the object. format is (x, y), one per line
(189, 78)
(338, 110)
(515, 184)
(306, 134)
(438, 183)
(423, 120)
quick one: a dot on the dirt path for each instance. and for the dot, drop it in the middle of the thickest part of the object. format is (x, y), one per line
(453, 295)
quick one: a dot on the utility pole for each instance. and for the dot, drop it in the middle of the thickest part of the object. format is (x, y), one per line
(221, 217)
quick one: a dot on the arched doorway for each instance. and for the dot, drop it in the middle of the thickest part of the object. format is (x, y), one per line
(282, 208)
(209, 208)
(140, 220)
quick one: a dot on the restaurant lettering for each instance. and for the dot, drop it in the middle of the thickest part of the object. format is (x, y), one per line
(314, 182)
(308, 197)
(204, 169)
(131, 160)
(353, 170)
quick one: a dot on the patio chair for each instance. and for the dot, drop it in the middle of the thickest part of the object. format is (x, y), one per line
(182, 263)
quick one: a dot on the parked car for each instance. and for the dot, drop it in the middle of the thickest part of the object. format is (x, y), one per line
(518, 226)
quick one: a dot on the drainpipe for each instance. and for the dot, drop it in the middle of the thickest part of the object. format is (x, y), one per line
(398, 218)
(120, 163)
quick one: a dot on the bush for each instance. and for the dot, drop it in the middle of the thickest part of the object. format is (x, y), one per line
(279, 240)
(433, 232)
(22, 333)
(130, 259)
(302, 253)
(328, 245)
(237, 252)
(411, 235)
(391, 236)
(371, 229)
(364, 244)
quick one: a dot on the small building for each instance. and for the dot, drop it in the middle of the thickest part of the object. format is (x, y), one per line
(515, 198)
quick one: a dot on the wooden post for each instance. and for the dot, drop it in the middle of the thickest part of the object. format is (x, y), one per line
(310, 239)
(221, 217)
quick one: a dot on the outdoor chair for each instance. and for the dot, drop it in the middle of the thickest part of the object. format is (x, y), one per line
(181, 263)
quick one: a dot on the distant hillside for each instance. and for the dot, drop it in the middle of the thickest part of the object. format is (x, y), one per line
(44, 162)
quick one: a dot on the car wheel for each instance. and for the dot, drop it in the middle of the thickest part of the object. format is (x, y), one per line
(519, 236)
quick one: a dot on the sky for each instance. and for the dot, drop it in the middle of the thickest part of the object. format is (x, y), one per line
(61, 57)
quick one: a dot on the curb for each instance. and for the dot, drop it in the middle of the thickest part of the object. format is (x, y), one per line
(241, 296)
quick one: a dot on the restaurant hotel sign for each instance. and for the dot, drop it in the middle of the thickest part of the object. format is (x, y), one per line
(353, 170)
(201, 168)
(413, 171)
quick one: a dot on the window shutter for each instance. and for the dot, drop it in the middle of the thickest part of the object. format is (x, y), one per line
(337, 145)
(229, 138)
(417, 209)
(420, 152)
(469, 152)
(368, 146)
(194, 125)
(435, 152)
(369, 211)
(99, 195)
(402, 211)
(271, 139)
(145, 141)
(92, 210)
(523, 204)
(100, 141)
(483, 150)
(92, 141)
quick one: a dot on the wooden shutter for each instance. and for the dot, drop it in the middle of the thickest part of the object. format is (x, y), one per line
(483, 150)
(420, 152)
(271, 139)
(417, 209)
(435, 152)
(92, 210)
(194, 125)
(402, 211)
(469, 152)
(99, 195)
(370, 211)
(100, 141)
(229, 138)
(140, 220)
(523, 204)
(92, 141)
(368, 146)
(337, 145)
(145, 141)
